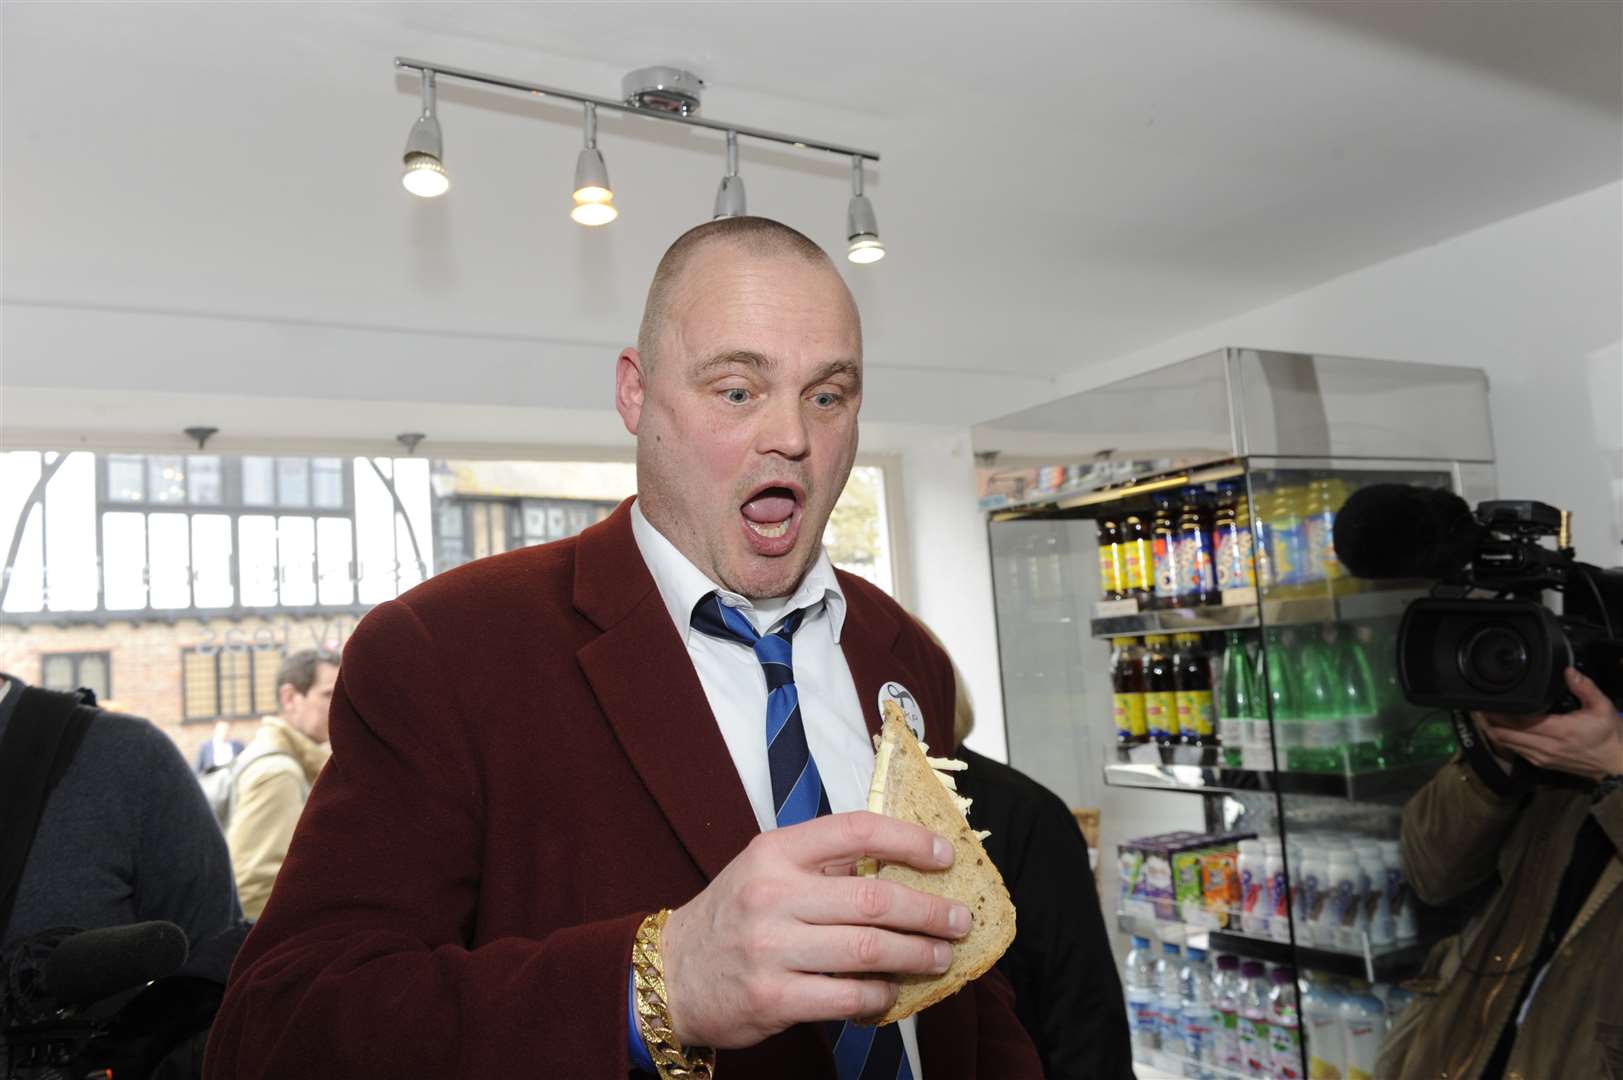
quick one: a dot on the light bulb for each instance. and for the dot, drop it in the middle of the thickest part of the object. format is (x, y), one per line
(865, 249)
(594, 213)
(425, 176)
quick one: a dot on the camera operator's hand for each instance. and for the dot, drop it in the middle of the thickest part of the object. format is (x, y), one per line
(774, 939)
(1586, 743)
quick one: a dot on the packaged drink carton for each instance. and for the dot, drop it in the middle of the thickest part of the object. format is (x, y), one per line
(1220, 885)
(1279, 899)
(1188, 884)
(1130, 858)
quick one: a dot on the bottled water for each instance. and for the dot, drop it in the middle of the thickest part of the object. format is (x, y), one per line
(1226, 989)
(1321, 1028)
(1255, 1040)
(1284, 1031)
(1363, 1026)
(1138, 978)
(1198, 1013)
(1169, 998)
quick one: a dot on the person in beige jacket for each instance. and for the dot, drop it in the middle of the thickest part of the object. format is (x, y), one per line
(278, 768)
(1530, 990)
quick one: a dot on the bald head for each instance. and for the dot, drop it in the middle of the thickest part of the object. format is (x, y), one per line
(755, 237)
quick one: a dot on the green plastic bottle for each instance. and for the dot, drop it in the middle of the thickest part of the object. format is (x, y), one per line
(1322, 747)
(1283, 699)
(1237, 707)
(1360, 706)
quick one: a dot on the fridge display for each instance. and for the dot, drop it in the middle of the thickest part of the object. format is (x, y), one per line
(1197, 597)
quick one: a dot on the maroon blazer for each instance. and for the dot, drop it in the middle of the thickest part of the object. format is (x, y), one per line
(524, 766)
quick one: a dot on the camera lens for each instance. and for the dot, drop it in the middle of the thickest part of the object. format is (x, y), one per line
(1493, 658)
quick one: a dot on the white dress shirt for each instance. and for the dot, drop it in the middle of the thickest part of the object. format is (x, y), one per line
(735, 685)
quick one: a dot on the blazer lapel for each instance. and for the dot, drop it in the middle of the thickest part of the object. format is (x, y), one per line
(644, 681)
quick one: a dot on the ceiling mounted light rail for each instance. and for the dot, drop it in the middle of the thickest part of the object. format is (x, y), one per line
(658, 93)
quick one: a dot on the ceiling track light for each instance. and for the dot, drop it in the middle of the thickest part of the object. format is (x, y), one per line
(861, 224)
(667, 94)
(730, 195)
(424, 157)
(594, 198)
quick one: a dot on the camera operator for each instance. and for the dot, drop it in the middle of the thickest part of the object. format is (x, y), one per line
(1529, 988)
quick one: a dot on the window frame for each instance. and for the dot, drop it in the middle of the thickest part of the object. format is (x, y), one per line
(78, 657)
(256, 656)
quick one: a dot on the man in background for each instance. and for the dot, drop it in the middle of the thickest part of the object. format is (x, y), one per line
(1066, 991)
(276, 771)
(123, 836)
(219, 751)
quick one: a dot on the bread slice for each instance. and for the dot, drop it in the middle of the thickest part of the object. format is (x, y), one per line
(906, 786)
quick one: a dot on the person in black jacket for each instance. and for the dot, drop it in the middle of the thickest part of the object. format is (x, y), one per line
(1066, 990)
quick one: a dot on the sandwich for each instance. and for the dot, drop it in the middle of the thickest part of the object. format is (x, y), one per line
(909, 785)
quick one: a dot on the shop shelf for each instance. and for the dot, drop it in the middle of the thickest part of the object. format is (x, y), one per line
(1199, 770)
(1293, 611)
(1375, 963)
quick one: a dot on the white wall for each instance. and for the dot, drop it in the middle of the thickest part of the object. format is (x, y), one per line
(1536, 301)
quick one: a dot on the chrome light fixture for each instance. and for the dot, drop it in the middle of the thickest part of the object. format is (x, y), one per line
(861, 225)
(594, 199)
(730, 195)
(425, 168)
(659, 93)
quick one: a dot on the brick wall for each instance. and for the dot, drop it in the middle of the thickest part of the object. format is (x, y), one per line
(145, 659)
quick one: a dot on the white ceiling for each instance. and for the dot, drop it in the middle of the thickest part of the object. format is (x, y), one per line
(206, 197)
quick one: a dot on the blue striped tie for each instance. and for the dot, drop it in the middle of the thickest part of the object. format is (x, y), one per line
(860, 1053)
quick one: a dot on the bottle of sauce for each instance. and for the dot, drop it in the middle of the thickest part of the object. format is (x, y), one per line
(1197, 577)
(1192, 682)
(1284, 528)
(1169, 571)
(1231, 529)
(1127, 680)
(1138, 560)
(1110, 559)
(1160, 690)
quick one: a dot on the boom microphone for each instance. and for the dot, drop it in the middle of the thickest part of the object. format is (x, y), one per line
(96, 964)
(1398, 531)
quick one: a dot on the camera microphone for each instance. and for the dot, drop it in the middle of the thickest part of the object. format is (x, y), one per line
(1398, 531)
(95, 964)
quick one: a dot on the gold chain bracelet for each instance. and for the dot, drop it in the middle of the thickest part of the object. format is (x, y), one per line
(654, 1012)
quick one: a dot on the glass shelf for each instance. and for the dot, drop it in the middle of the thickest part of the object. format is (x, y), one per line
(1375, 963)
(1197, 769)
(1291, 611)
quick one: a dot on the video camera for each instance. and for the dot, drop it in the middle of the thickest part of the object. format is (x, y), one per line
(72, 1003)
(1505, 652)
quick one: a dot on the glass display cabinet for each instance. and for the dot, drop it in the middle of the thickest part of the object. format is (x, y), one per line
(1181, 647)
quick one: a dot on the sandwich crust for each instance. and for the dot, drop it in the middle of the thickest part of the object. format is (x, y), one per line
(906, 787)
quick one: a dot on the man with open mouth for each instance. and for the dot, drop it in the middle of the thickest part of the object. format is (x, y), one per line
(593, 807)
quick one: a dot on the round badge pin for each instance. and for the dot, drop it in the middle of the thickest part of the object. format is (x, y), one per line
(903, 697)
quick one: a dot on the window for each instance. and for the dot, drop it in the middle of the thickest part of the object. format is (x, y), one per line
(228, 683)
(858, 532)
(69, 671)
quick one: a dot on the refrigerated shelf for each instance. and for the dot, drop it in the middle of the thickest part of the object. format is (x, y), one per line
(1374, 963)
(1177, 768)
(1294, 611)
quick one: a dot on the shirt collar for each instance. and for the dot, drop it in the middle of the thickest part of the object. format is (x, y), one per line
(682, 585)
